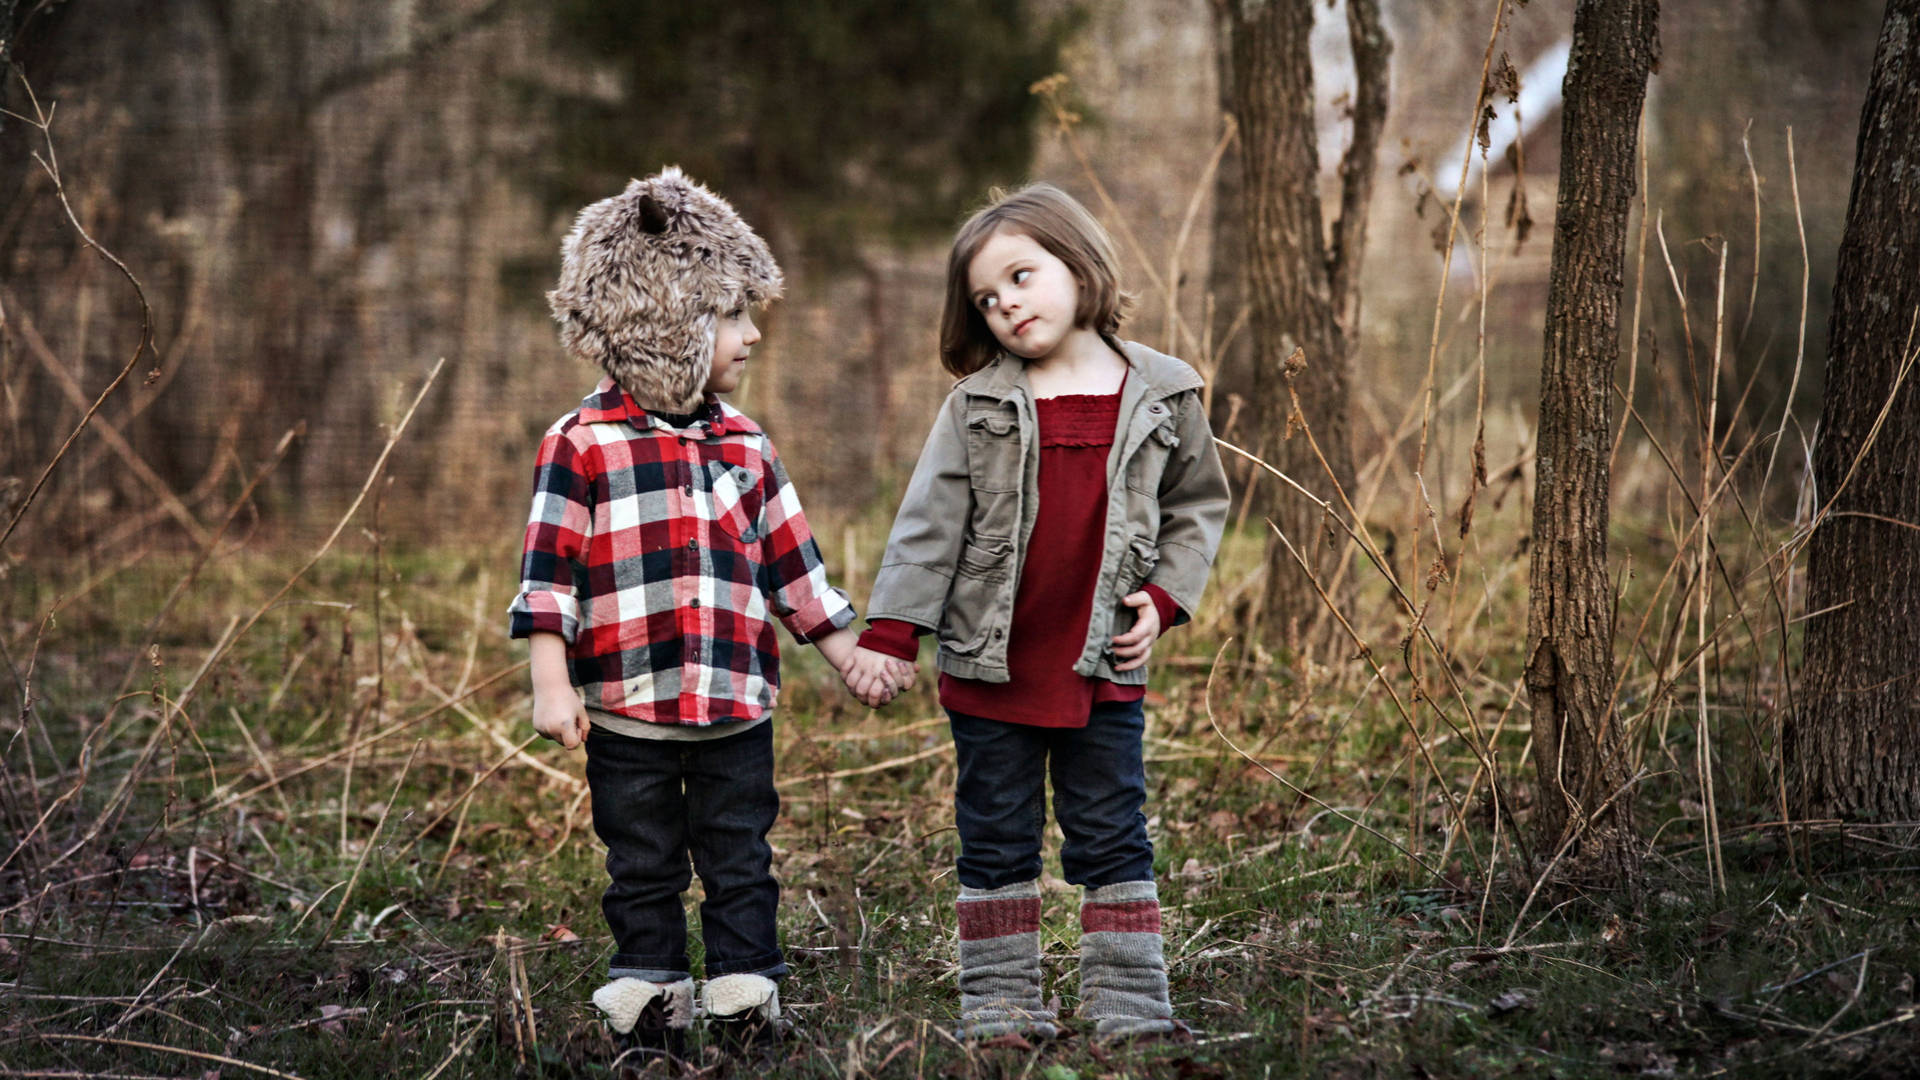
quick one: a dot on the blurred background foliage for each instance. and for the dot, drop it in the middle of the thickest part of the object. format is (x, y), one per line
(848, 121)
(322, 198)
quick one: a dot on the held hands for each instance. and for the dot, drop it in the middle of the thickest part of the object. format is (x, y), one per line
(876, 678)
(1133, 646)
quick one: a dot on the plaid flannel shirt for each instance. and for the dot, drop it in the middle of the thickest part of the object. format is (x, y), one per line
(662, 557)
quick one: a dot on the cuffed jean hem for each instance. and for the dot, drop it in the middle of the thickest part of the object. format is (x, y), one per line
(770, 966)
(620, 968)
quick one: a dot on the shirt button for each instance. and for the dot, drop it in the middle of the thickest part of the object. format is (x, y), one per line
(687, 487)
(693, 545)
(694, 603)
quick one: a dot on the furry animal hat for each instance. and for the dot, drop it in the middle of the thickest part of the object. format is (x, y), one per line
(644, 278)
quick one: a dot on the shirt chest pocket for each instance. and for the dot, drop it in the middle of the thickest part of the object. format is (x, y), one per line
(733, 500)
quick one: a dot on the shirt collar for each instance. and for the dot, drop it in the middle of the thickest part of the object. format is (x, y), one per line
(609, 404)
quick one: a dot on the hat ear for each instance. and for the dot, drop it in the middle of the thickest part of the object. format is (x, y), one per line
(653, 216)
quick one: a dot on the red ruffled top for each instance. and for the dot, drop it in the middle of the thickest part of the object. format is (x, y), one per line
(1055, 599)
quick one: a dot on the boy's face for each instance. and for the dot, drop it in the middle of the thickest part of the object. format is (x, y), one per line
(733, 339)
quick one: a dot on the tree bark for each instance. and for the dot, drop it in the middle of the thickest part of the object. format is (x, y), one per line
(1302, 290)
(1852, 741)
(1227, 260)
(1579, 752)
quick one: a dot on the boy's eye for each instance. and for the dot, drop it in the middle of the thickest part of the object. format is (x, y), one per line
(736, 313)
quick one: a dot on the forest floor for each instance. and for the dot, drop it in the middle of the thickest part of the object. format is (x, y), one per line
(318, 845)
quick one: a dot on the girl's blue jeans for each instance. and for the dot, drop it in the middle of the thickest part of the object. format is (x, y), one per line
(657, 803)
(1099, 789)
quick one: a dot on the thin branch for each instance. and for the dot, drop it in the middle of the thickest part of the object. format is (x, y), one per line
(50, 164)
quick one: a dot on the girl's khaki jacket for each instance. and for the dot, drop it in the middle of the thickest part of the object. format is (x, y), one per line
(953, 560)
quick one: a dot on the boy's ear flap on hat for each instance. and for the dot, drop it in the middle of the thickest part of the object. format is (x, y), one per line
(653, 216)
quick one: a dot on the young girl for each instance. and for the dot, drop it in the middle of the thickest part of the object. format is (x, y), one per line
(1064, 512)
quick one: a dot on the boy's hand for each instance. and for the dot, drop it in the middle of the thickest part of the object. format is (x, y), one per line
(876, 678)
(561, 717)
(557, 710)
(1133, 646)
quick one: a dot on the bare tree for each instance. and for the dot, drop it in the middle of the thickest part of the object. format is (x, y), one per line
(1303, 285)
(1579, 748)
(1852, 743)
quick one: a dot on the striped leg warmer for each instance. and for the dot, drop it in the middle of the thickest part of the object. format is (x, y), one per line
(1000, 963)
(1123, 970)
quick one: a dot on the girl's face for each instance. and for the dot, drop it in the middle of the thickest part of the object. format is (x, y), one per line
(733, 339)
(1028, 297)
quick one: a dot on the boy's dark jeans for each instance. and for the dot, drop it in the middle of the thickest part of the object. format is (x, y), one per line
(656, 802)
(1099, 788)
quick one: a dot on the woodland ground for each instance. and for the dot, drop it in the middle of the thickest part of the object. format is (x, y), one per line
(329, 862)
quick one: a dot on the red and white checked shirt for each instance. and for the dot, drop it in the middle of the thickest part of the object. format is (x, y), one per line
(663, 556)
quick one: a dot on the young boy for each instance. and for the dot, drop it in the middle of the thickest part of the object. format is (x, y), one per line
(664, 541)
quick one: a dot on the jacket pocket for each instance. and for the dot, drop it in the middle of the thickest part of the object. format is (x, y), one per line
(733, 497)
(994, 462)
(1150, 460)
(985, 565)
(1136, 565)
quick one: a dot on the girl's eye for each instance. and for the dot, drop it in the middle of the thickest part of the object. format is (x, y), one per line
(1020, 276)
(987, 302)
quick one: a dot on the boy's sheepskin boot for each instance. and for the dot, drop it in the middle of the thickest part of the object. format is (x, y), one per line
(649, 1017)
(743, 1013)
(1000, 963)
(1123, 969)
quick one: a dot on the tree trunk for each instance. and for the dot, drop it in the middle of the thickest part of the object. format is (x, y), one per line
(1852, 740)
(1227, 262)
(1302, 291)
(1579, 752)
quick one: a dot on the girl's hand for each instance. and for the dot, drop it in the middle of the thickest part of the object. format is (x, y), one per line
(1133, 646)
(559, 716)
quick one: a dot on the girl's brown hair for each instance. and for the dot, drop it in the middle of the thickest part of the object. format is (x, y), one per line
(1058, 223)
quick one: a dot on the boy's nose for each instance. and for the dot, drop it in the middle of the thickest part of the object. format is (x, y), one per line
(750, 334)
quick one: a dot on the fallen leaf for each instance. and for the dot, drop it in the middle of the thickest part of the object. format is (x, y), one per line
(1517, 998)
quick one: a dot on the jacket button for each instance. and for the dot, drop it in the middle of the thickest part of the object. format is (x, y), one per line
(997, 633)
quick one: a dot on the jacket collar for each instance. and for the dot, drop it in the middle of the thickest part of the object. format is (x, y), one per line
(1159, 375)
(609, 404)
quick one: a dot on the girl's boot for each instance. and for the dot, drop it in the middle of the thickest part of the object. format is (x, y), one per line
(649, 1017)
(1123, 968)
(1000, 963)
